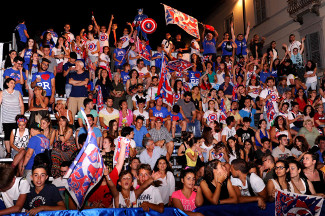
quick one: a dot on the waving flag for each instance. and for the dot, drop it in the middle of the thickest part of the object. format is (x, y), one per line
(270, 111)
(184, 21)
(100, 101)
(179, 65)
(223, 110)
(297, 204)
(86, 170)
(143, 52)
(164, 88)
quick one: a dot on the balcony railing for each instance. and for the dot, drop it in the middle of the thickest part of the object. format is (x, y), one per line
(297, 8)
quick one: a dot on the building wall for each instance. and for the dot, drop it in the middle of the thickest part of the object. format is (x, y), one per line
(277, 26)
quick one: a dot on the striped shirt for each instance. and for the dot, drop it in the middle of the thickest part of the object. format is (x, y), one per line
(10, 106)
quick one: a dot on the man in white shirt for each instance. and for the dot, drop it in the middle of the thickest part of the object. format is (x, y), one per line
(229, 130)
(108, 114)
(167, 45)
(248, 186)
(293, 43)
(151, 154)
(151, 197)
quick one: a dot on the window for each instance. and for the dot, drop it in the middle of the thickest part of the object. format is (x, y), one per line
(312, 48)
(260, 11)
(228, 20)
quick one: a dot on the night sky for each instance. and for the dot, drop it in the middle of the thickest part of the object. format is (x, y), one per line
(40, 16)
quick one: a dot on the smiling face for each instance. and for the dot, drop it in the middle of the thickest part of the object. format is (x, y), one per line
(39, 177)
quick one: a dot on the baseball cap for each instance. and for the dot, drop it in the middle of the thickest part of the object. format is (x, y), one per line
(159, 119)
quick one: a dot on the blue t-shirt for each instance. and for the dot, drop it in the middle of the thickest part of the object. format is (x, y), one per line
(96, 130)
(79, 91)
(46, 78)
(66, 66)
(226, 47)
(241, 47)
(125, 76)
(119, 55)
(139, 134)
(209, 46)
(244, 113)
(194, 77)
(158, 61)
(15, 74)
(264, 75)
(177, 117)
(27, 55)
(39, 143)
(160, 113)
(21, 28)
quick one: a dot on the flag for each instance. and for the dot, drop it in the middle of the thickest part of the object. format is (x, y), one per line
(292, 204)
(100, 101)
(164, 88)
(179, 65)
(223, 110)
(86, 170)
(184, 21)
(141, 48)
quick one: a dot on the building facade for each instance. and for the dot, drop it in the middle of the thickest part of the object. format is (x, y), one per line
(276, 20)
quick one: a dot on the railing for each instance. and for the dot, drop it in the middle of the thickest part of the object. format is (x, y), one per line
(295, 6)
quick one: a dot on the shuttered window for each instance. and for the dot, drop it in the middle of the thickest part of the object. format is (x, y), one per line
(312, 44)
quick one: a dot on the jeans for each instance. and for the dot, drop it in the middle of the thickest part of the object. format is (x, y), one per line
(312, 85)
(197, 127)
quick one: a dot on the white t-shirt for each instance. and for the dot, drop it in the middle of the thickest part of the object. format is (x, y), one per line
(228, 132)
(103, 39)
(91, 47)
(295, 44)
(106, 58)
(167, 187)
(256, 183)
(152, 92)
(292, 116)
(311, 79)
(143, 71)
(21, 186)
(151, 195)
(265, 92)
(126, 41)
(210, 116)
(145, 115)
(132, 54)
(167, 45)
(196, 48)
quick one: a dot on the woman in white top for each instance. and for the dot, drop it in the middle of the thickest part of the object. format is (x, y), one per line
(310, 75)
(167, 187)
(303, 184)
(19, 137)
(279, 181)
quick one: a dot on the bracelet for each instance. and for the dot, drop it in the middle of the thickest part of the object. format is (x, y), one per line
(219, 182)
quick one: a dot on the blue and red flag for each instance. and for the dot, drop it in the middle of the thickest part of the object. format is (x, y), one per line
(179, 65)
(164, 88)
(223, 110)
(184, 21)
(142, 50)
(86, 170)
(292, 204)
(100, 100)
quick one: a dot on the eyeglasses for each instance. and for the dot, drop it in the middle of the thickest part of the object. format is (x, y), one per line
(280, 167)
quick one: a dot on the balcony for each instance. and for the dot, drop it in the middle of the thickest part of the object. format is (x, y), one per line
(298, 8)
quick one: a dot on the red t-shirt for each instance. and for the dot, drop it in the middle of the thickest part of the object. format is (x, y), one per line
(320, 117)
(102, 192)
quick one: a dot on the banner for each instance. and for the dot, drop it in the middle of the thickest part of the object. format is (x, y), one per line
(86, 170)
(292, 204)
(184, 21)
(164, 88)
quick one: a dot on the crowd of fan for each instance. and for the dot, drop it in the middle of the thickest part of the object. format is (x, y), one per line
(233, 147)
